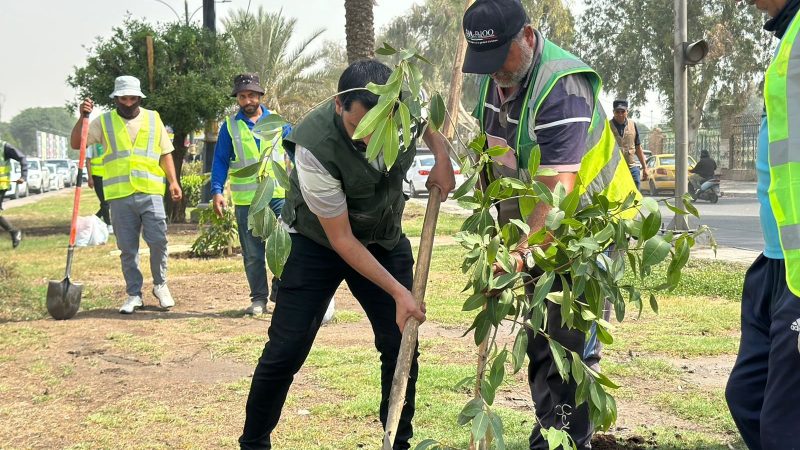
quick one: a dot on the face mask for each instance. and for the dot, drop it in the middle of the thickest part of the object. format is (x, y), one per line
(128, 112)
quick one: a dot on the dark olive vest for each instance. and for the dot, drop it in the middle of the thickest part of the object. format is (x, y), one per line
(375, 199)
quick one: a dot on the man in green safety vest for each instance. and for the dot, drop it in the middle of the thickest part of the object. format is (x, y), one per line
(138, 157)
(236, 149)
(537, 95)
(7, 153)
(763, 391)
(94, 169)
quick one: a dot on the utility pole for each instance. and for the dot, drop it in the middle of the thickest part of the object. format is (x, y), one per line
(450, 126)
(212, 128)
(686, 54)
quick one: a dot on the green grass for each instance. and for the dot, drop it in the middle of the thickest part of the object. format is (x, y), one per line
(145, 347)
(346, 316)
(703, 277)
(447, 224)
(699, 406)
(22, 337)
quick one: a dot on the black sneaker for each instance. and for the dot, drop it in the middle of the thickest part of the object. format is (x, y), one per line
(16, 238)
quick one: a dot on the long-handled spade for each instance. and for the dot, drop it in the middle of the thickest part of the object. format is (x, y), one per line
(409, 341)
(64, 297)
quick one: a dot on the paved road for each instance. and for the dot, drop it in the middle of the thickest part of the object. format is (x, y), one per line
(734, 221)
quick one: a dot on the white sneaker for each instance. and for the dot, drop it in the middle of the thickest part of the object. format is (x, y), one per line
(256, 308)
(130, 305)
(110, 229)
(161, 291)
(330, 313)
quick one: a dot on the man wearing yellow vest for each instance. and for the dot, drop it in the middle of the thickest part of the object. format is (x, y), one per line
(536, 94)
(626, 133)
(8, 152)
(94, 169)
(763, 391)
(138, 157)
(238, 148)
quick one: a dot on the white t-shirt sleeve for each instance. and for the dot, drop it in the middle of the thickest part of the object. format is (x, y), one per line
(321, 191)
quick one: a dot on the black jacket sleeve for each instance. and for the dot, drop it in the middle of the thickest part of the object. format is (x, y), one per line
(11, 152)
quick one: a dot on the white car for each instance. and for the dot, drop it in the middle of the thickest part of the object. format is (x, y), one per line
(68, 171)
(37, 180)
(56, 180)
(417, 174)
(16, 190)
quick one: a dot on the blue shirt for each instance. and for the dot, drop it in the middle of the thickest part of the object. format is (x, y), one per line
(224, 154)
(769, 227)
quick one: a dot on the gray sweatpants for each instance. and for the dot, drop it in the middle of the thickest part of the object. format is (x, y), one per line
(132, 216)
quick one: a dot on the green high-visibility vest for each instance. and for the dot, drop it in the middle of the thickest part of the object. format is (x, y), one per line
(782, 100)
(132, 167)
(601, 169)
(97, 161)
(5, 169)
(246, 153)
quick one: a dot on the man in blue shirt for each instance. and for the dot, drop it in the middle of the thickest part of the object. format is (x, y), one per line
(238, 147)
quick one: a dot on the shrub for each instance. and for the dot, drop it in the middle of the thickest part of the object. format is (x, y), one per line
(216, 234)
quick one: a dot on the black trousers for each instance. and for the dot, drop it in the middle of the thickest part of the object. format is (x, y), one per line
(5, 224)
(310, 277)
(553, 399)
(763, 391)
(104, 212)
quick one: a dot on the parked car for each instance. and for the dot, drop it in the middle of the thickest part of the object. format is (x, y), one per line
(84, 177)
(37, 181)
(662, 173)
(417, 174)
(56, 179)
(68, 171)
(16, 190)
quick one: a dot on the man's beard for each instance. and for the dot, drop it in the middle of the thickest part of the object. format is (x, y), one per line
(250, 110)
(512, 79)
(360, 146)
(128, 112)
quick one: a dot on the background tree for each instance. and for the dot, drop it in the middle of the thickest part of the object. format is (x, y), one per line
(360, 29)
(193, 70)
(23, 126)
(290, 76)
(630, 43)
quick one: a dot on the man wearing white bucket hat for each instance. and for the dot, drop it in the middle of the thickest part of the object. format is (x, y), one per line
(138, 157)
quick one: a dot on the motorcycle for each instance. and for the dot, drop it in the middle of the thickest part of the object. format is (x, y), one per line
(708, 191)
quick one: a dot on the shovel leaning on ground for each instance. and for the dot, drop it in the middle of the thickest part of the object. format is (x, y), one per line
(397, 397)
(64, 297)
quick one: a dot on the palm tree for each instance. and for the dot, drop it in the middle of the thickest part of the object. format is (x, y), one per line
(359, 29)
(291, 78)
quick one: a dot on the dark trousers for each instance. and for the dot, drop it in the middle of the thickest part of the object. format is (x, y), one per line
(5, 224)
(104, 211)
(254, 253)
(310, 277)
(553, 399)
(763, 390)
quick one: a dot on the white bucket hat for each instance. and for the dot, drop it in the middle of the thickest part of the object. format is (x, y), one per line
(127, 85)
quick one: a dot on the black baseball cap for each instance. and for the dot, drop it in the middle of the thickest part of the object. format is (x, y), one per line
(490, 27)
(246, 82)
(620, 104)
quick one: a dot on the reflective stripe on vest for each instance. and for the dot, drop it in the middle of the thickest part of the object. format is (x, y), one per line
(97, 161)
(247, 153)
(131, 167)
(782, 101)
(600, 168)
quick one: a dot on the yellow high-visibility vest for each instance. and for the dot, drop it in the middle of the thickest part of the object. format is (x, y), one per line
(243, 189)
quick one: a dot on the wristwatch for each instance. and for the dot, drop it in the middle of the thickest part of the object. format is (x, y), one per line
(527, 259)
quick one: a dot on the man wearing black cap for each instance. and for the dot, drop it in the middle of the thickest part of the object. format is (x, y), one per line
(626, 133)
(236, 149)
(538, 96)
(7, 153)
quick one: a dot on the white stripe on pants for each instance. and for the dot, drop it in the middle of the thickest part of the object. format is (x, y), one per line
(132, 216)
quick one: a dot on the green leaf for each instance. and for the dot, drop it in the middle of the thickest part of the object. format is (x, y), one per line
(474, 302)
(498, 150)
(570, 203)
(377, 141)
(269, 127)
(496, 425)
(263, 195)
(405, 118)
(280, 175)
(279, 245)
(491, 251)
(482, 328)
(392, 86)
(466, 187)
(554, 218)
(386, 50)
(520, 349)
(687, 203)
(541, 191)
(371, 120)
(427, 444)
(391, 144)
(603, 335)
(653, 303)
(533, 160)
(542, 288)
(650, 226)
(479, 425)
(248, 171)
(650, 204)
(437, 111)
(470, 410)
(560, 359)
(656, 250)
(596, 394)
(498, 370)
(675, 209)
(414, 81)
(604, 234)
(524, 227)
(602, 379)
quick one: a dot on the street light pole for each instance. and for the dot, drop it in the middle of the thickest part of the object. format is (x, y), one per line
(212, 127)
(680, 221)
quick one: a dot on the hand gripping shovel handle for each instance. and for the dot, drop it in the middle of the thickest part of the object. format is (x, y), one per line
(77, 201)
(409, 340)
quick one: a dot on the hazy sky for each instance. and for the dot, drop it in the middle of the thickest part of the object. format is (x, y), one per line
(42, 40)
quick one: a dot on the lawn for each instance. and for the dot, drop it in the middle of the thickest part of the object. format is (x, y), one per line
(180, 379)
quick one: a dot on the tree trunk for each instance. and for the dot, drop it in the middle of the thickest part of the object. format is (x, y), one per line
(176, 212)
(359, 29)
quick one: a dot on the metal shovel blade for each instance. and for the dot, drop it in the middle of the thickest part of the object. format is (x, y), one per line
(63, 298)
